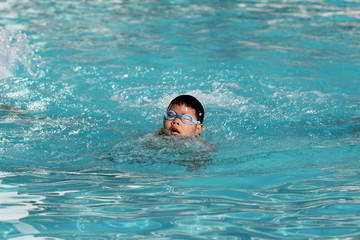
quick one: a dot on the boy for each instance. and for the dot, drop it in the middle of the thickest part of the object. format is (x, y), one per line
(184, 117)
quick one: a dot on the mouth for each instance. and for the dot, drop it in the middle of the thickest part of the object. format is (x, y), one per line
(174, 132)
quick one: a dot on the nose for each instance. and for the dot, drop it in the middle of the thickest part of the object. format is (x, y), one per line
(176, 121)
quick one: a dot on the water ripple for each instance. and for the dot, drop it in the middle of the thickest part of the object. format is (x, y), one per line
(279, 82)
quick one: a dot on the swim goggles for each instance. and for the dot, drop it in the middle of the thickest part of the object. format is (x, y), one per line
(186, 118)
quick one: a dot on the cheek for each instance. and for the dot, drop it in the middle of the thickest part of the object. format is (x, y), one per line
(167, 124)
(190, 128)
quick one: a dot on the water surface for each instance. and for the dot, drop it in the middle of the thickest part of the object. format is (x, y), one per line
(82, 83)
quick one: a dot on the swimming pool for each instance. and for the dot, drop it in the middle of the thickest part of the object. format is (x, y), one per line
(83, 81)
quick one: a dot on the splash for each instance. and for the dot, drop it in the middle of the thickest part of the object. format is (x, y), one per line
(16, 55)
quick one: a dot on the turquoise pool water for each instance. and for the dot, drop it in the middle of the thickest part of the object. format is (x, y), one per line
(82, 82)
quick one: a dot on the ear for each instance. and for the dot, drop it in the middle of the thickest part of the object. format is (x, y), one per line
(198, 129)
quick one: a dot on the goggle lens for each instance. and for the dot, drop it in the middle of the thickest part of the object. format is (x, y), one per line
(186, 118)
(170, 115)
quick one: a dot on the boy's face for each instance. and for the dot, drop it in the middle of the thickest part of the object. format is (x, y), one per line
(177, 127)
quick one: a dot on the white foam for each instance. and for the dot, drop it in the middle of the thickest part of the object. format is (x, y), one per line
(39, 105)
(219, 97)
(21, 93)
(15, 52)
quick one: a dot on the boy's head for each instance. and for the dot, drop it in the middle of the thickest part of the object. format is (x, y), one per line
(184, 116)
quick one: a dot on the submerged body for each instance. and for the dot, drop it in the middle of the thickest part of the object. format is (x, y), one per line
(168, 134)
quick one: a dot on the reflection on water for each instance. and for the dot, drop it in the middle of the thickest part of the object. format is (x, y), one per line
(14, 207)
(132, 205)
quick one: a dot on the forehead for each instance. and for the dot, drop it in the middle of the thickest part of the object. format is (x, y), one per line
(181, 108)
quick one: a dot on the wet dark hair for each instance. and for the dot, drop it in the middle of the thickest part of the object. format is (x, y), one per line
(192, 102)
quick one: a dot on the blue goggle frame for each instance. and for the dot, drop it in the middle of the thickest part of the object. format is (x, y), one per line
(186, 118)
